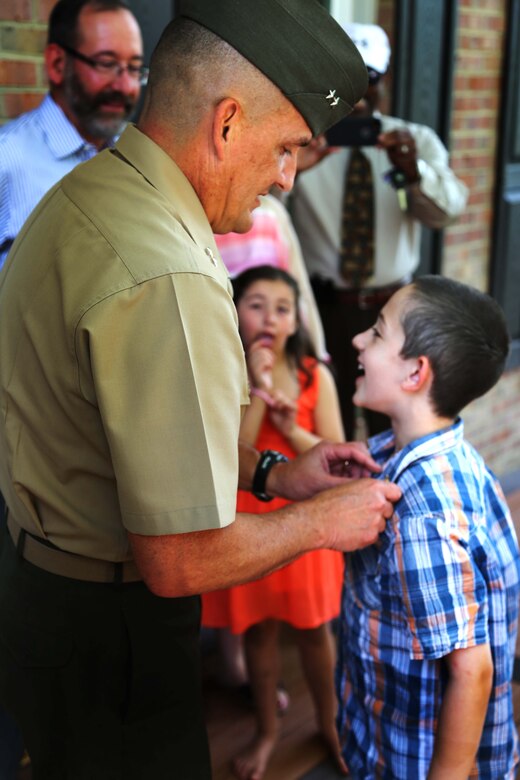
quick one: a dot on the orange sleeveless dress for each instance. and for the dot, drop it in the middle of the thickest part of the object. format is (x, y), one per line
(305, 593)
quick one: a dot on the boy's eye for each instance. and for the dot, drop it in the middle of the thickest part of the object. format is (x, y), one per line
(376, 333)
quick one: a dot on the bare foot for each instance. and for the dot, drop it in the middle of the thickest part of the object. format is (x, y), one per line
(252, 763)
(330, 735)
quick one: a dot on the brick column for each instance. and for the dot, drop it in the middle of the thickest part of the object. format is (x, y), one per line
(23, 33)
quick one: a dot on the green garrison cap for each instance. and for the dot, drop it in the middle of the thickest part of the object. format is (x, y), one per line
(295, 43)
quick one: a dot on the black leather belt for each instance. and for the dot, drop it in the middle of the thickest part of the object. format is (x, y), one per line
(66, 564)
(366, 298)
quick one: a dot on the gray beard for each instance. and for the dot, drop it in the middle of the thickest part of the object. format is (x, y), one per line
(86, 109)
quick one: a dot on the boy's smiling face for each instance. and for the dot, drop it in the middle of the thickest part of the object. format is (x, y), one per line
(383, 370)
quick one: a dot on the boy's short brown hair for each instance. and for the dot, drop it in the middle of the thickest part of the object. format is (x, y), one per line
(462, 332)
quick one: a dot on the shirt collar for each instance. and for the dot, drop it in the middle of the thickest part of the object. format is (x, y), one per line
(60, 134)
(382, 449)
(163, 174)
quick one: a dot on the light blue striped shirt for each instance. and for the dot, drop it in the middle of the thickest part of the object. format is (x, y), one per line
(36, 151)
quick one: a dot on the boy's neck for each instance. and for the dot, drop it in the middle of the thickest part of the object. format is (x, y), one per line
(415, 422)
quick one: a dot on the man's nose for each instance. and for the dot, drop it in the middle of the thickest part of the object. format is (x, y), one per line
(125, 83)
(287, 173)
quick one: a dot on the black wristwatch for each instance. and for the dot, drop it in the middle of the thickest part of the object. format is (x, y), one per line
(268, 459)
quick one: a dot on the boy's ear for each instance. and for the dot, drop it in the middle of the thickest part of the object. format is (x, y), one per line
(225, 121)
(419, 376)
(54, 63)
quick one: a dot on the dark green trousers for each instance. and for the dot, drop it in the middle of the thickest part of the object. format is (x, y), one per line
(104, 680)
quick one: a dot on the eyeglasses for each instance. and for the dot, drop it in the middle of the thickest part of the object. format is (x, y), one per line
(109, 67)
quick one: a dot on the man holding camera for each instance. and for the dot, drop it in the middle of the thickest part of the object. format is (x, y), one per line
(358, 215)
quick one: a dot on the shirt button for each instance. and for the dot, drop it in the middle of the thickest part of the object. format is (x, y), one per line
(211, 256)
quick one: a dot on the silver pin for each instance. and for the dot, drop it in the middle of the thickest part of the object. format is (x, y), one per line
(332, 97)
(211, 256)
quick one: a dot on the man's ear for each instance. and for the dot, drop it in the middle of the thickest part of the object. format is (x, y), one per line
(225, 121)
(419, 375)
(55, 63)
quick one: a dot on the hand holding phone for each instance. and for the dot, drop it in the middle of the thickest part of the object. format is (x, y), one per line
(354, 131)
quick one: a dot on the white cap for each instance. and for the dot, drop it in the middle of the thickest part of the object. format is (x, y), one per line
(373, 43)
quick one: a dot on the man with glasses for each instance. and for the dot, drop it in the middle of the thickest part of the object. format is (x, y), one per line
(94, 63)
(411, 185)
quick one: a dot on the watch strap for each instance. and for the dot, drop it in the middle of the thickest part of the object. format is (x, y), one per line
(268, 459)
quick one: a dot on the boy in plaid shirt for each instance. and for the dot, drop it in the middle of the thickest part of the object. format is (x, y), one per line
(429, 614)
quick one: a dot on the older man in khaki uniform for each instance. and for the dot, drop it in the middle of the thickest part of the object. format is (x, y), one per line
(122, 378)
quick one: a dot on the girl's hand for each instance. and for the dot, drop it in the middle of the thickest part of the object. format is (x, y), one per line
(260, 362)
(282, 413)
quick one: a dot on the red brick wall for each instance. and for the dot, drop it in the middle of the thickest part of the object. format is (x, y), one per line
(473, 135)
(23, 26)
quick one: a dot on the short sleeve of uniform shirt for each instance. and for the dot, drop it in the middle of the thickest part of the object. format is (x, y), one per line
(168, 385)
(164, 361)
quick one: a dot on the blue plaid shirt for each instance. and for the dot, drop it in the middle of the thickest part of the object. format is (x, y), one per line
(444, 575)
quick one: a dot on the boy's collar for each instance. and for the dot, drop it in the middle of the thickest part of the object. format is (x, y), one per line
(382, 449)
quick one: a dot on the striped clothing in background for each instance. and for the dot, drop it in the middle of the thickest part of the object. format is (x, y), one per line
(263, 244)
(36, 151)
(444, 576)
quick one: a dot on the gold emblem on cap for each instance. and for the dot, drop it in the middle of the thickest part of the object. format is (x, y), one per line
(332, 97)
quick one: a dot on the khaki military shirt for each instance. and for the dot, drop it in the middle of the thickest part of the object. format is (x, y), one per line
(122, 373)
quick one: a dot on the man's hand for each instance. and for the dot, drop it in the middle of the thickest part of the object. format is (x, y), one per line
(344, 518)
(402, 152)
(352, 516)
(324, 466)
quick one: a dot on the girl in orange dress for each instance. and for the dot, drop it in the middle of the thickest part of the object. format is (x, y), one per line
(294, 405)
